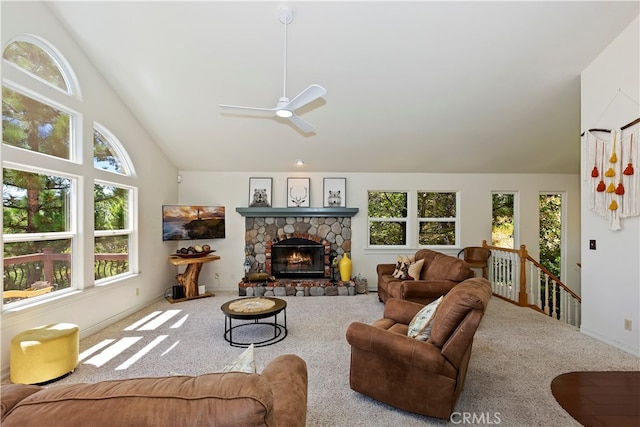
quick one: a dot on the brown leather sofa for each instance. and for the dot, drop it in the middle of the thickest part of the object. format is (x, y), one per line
(276, 397)
(439, 274)
(425, 377)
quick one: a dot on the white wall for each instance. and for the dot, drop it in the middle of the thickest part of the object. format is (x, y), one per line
(611, 273)
(232, 190)
(94, 308)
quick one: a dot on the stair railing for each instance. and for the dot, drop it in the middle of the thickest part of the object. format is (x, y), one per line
(518, 278)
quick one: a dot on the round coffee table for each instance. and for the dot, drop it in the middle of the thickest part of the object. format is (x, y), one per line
(255, 309)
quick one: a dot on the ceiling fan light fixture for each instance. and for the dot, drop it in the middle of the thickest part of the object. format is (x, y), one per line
(285, 114)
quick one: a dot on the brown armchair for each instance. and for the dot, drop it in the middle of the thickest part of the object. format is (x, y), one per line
(425, 377)
(439, 274)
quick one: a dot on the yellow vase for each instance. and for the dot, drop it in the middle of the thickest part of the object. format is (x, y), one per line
(345, 268)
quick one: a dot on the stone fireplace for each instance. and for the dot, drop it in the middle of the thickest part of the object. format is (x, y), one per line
(328, 235)
(295, 248)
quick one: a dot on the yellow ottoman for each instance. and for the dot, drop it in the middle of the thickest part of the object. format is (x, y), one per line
(44, 353)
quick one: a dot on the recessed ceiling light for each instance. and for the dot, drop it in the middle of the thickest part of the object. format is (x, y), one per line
(299, 162)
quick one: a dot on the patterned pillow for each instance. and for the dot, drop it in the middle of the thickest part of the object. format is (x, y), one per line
(402, 266)
(420, 326)
(398, 265)
(244, 363)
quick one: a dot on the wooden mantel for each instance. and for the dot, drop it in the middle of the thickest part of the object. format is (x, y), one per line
(294, 212)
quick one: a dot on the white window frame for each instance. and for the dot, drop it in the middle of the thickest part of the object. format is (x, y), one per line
(455, 220)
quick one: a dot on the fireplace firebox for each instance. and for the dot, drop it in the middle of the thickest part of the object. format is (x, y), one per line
(298, 258)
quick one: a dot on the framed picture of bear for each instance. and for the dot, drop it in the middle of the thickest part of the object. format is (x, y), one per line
(335, 193)
(260, 192)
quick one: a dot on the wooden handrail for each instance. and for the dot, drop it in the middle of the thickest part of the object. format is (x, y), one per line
(523, 299)
(554, 278)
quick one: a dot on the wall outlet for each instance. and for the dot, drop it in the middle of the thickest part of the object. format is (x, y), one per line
(137, 292)
(627, 324)
(217, 276)
(592, 245)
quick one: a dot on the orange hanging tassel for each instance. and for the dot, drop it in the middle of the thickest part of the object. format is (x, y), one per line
(609, 173)
(619, 189)
(613, 205)
(601, 187)
(629, 169)
(614, 156)
(611, 188)
(594, 171)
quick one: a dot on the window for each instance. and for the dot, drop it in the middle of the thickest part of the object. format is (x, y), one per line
(387, 211)
(41, 210)
(34, 125)
(37, 59)
(107, 153)
(437, 218)
(551, 224)
(38, 232)
(112, 230)
(503, 229)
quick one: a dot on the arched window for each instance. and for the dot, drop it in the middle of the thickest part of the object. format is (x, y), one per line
(41, 194)
(41, 61)
(108, 153)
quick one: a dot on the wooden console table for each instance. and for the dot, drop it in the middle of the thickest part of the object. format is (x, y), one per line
(189, 279)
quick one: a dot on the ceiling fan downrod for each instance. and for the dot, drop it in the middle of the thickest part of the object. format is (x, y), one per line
(286, 17)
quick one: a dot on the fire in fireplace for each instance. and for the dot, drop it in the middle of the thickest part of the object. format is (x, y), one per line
(298, 258)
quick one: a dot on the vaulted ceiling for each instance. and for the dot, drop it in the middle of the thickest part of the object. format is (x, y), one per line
(419, 86)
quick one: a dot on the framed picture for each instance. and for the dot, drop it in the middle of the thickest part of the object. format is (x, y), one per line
(298, 192)
(260, 192)
(335, 193)
(185, 222)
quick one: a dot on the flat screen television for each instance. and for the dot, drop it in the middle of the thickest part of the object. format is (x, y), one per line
(182, 222)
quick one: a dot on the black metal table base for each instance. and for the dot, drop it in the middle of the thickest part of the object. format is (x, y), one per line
(279, 331)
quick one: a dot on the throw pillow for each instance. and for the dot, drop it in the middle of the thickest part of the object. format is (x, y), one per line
(244, 363)
(398, 265)
(420, 326)
(402, 266)
(415, 269)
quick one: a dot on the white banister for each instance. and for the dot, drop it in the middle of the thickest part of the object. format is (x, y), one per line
(515, 276)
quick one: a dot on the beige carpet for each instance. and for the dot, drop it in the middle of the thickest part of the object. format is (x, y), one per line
(517, 352)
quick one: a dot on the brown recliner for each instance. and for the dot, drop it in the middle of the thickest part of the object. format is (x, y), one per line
(439, 274)
(425, 377)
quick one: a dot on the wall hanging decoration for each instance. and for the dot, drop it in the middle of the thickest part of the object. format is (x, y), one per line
(298, 192)
(614, 194)
(335, 193)
(260, 192)
(181, 222)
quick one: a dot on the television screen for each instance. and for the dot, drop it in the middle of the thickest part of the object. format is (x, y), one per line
(180, 222)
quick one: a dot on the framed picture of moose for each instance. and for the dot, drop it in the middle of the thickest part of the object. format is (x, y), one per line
(335, 193)
(298, 192)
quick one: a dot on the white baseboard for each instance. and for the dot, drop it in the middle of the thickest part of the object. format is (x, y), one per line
(608, 340)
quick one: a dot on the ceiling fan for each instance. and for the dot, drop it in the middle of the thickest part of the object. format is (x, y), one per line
(286, 108)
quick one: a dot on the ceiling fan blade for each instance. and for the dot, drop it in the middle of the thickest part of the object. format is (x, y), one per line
(239, 107)
(301, 124)
(308, 95)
